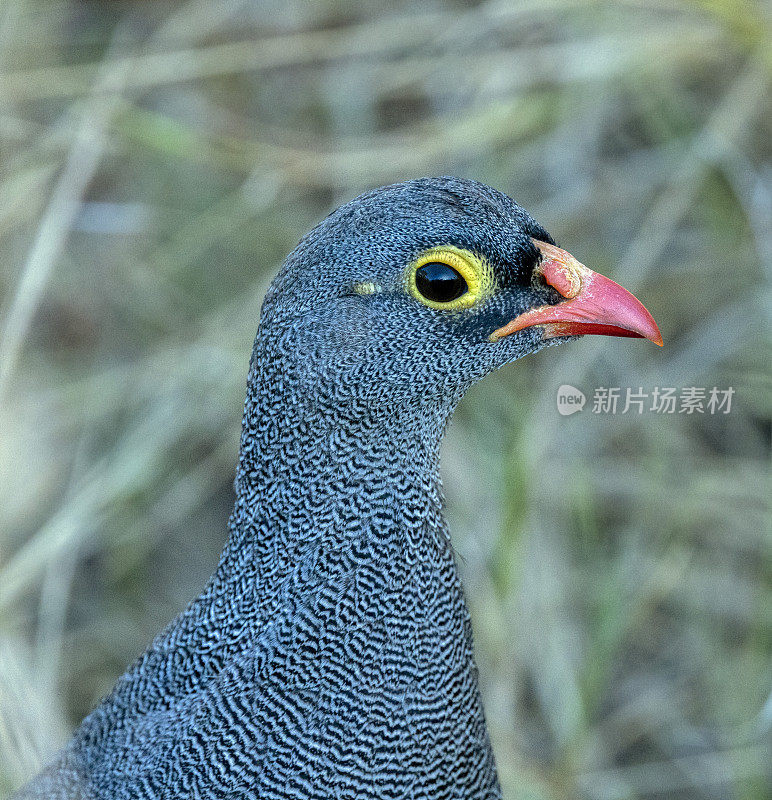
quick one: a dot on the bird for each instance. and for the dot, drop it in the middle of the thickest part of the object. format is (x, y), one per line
(330, 655)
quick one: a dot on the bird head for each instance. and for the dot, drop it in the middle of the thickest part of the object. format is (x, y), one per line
(412, 292)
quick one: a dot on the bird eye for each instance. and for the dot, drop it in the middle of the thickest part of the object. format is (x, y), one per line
(439, 282)
(449, 278)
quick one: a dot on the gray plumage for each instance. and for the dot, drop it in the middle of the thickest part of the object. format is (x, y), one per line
(330, 654)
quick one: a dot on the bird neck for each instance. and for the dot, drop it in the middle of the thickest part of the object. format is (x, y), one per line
(330, 486)
(333, 457)
(340, 565)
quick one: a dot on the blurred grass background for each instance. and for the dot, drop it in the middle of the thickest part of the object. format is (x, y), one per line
(157, 162)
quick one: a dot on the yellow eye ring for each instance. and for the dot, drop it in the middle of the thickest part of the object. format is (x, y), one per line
(464, 266)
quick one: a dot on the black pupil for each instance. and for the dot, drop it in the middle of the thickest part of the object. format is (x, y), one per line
(439, 282)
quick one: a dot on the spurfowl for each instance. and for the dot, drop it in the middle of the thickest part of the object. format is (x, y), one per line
(330, 655)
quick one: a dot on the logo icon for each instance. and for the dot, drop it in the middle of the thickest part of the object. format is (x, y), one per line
(570, 400)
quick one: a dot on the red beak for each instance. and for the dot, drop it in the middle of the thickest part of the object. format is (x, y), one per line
(594, 304)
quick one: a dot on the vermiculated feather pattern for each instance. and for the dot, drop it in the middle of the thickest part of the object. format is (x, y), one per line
(330, 655)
